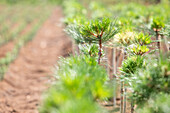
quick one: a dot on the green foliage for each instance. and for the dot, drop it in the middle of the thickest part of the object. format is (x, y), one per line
(98, 10)
(58, 100)
(86, 72)
(125, 23)
(125, 38)
(129, 38)
(89, 49)
(139, 50)
(158, 104)
(76, 19)
(131, 64)
(166, 30)
(97, 29)
(135, 16)
(143, 39)
(31, 1)
(155, 78)
(74, 12)
(135, 43)
(94, 30)
(157, 23)
(81, 82)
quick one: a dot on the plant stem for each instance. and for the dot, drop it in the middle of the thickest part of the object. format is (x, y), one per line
(132, 107)
(124, 111)
(157, 38)
(100, 49)
(121, 98)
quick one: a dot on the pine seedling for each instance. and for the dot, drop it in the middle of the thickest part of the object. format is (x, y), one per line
(140, 44)
(143, 39)
(157, 25)
(141, 47)
(96, 31)
(136, 43)
(139, 50)
(152, 79)
(124, 38)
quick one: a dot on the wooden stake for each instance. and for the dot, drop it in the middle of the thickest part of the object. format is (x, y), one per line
(114, 73)
(73, 48)
(124, 108)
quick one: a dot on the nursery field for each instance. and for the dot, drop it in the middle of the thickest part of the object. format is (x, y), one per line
(19, 24)
(30, 44)
(84, 56)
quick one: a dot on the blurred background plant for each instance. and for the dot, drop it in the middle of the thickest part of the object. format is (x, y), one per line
(19, 27)
(151, 80)
(80, 81)
(157, 104)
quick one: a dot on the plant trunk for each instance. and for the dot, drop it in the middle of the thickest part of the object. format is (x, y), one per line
(124, 111)
(132, 107)
(157, 38)
(121, 97)
(122, 88)
(100, 50)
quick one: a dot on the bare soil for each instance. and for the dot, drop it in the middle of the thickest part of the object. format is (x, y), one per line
(29, 75)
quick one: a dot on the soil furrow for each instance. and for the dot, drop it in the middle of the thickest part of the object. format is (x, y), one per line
(28, 75)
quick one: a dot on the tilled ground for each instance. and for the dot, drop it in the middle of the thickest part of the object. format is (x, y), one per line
(29, 75)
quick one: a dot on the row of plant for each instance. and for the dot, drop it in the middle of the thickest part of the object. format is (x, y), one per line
(152, 19)
(80, 83)
(16, 20)
(20, 34)
(12, 55)
(149, 81)
(30, 2)
(143, 76)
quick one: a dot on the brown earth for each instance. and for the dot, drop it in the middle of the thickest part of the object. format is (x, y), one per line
(29, 75)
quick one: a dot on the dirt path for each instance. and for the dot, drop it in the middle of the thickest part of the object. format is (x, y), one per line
(28, 75)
